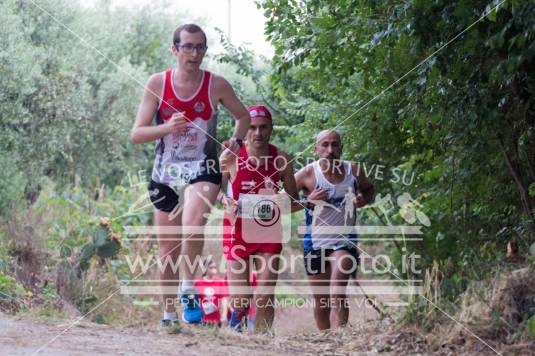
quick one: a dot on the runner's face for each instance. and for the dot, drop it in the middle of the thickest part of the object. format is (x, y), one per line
(329, 147)
(259, 132)
(192, 60)
(212, 270)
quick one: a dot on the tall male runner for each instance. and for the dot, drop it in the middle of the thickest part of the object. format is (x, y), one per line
(183, 101)
(334, 189)
(259, 169)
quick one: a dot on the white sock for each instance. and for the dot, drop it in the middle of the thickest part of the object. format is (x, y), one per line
(186, 286)
(170, 315)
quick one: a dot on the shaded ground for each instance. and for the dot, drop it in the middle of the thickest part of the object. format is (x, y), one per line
(23, 336)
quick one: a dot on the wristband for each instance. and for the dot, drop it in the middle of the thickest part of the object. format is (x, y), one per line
(239, 141)
(307, 204)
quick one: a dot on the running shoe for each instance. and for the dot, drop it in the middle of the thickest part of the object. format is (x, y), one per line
(191, 309)
(237, 320)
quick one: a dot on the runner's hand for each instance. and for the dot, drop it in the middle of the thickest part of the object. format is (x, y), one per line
(359, 200)
(226, 159)
(318, 194)
(177, 123)
(231, 206)
(282, 200)
(231, 146)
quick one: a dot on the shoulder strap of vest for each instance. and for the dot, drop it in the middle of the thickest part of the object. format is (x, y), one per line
(273, 151)
(318, 175)
(167, 86)
(205, 85)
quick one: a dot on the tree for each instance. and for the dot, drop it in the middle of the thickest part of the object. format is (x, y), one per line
(463, 120)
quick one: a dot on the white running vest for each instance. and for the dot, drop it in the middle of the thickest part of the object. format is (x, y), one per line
(332, 223)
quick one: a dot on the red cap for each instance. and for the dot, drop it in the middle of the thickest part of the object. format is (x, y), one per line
(257, 111)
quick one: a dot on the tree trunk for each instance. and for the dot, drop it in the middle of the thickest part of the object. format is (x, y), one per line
(523, 191)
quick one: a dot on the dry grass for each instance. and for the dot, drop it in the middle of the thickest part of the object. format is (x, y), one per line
(27, 251)
(496, 311)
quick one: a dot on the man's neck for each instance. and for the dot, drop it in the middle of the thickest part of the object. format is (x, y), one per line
(187, 76)
(257, 152)
(332, 168)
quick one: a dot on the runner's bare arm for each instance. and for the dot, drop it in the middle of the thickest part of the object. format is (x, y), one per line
(224, 181)
(228, 203)
(302, 184)
(366, 188)
(288, 181)
(306, 182)
(227, 162)
(228, 98)
(143, 131)
(223, 309)
(299, 180)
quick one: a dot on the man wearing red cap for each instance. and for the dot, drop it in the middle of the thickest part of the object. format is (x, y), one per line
(259, 171)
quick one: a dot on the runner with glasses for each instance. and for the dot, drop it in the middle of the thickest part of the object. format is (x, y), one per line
(183, 101)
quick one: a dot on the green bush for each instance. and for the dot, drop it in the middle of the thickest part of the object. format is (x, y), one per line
(12, 187)
(10, 288)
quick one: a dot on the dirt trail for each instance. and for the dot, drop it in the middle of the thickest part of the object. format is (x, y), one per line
(24, 336)
(295, 333)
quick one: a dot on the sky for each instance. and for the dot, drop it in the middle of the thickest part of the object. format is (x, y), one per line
(246, 21)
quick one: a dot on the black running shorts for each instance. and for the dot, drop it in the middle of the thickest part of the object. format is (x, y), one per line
(166, 199)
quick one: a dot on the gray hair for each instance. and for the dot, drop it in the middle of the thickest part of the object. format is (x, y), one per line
(324, 133)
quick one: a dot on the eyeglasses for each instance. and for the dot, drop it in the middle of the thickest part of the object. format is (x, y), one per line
(190, 47)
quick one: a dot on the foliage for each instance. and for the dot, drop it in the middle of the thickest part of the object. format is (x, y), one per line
(462, 120)
(84, 233)
(70, 90)
(12, 191)
(72, 77)
(10, 288)
(531, 326)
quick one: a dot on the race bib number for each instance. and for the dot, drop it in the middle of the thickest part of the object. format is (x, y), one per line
(256, 206)
(209, 307)
(263, 210)
(262, 217)
(181, 173)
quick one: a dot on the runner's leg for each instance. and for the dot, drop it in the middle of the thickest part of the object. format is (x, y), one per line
(267, 267)
(342, 263)
(198, 201)
(169, 250)
(238, 283)
(319, 283)
(239, 290)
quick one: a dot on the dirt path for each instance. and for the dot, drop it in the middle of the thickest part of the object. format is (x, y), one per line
(24, 336)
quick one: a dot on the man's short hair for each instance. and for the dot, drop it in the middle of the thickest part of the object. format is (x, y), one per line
(189, 27)
(324, 133)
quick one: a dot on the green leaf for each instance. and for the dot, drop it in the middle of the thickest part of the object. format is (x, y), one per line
(109, 249)
(87, 252)
(531, 325)
(492, 14)
(101, 236)
(65, 251)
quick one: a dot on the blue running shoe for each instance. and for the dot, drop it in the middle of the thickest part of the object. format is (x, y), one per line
(236, 320)
(191, 308)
